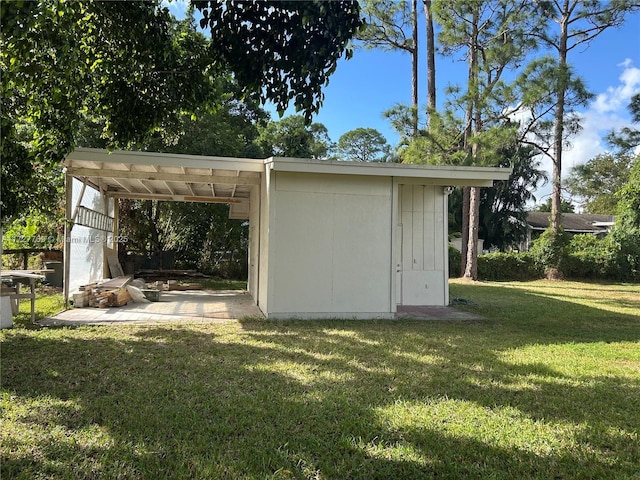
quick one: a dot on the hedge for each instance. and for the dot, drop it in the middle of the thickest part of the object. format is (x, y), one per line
(508, 266)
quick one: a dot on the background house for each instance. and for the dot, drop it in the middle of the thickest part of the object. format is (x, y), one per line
(573, 223)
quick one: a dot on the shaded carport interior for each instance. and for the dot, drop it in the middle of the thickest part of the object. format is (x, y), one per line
(152, 176)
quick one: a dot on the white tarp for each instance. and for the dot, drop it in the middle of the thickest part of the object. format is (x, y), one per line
(86, 244)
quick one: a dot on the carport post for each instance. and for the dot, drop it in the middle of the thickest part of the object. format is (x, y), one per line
(116, 221)
(68, 225)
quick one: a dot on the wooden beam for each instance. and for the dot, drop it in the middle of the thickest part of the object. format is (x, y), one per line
(178, 198)
(169, 177)
(145, 186)
(122, 185)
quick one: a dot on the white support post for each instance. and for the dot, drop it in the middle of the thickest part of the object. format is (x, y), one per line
(68, 225)
(393, 287)
(445, 206)
(116, 221)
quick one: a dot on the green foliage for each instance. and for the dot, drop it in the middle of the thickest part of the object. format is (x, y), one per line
(597, 181)
(230, 130)
(35, 230)
(503, 207)
(388, 25)
(286, 49)
(549, 250)
(27, 180)
(454, 262)
(442, 144)
(196, 235)
(293, 137)
(565, 206)
(628, 138)
(363, 145)
(508, 266)
(128, 63)
(589, 257)
(130, 69)
(625, 236)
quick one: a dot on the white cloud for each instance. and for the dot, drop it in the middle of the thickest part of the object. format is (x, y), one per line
(619, 96)
(607, 112)
(627, 62)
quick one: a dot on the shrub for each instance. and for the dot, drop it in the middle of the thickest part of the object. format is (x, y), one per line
(455, 258)
(508, 266)
(588, 256)
(584, 265)
(550, 250)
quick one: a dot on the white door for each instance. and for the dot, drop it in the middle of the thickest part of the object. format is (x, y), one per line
(420, 278)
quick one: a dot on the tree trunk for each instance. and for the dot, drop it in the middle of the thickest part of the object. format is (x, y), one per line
(558, 127)
(414, 65)
(431, 62)
(471, 272)
(469, 257)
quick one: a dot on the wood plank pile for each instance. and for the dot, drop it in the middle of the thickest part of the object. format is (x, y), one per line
(108, 293)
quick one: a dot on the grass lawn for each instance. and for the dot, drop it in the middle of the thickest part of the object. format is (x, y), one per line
(548, 386)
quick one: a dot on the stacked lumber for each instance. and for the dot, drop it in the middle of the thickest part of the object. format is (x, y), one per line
(112, 298)
(107, 293)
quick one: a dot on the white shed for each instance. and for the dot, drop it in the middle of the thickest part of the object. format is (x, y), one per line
(328, 239)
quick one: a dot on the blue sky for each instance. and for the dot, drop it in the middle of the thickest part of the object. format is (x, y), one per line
(373, 81)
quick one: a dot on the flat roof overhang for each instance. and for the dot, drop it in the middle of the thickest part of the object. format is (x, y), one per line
(213, 179)
(410, 173)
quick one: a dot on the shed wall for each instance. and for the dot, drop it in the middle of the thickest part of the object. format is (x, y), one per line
(330, 251)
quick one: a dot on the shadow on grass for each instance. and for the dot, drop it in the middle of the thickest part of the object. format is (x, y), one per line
(539, 317)
(325, 399)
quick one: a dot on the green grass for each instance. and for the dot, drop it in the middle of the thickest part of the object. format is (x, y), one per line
(48, 302)
(221, 284)
(547, 386)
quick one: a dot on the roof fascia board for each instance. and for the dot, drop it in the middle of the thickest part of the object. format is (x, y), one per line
(165, 160)
(445, 182)
(447, 174)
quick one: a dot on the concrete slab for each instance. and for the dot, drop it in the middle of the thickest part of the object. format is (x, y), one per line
(192, 306)
(434, 313)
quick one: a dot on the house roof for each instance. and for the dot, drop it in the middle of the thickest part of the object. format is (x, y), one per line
(196, 178)
(572, 222)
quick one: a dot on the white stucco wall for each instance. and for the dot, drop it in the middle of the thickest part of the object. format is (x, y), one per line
(330, 246)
